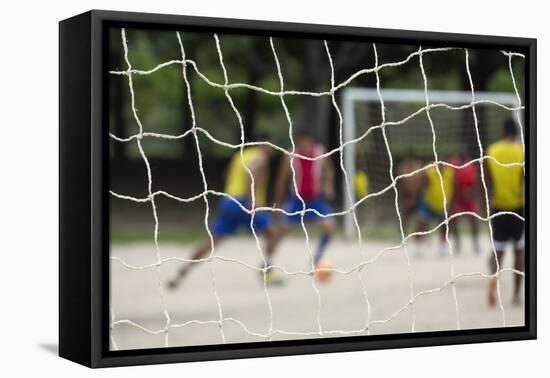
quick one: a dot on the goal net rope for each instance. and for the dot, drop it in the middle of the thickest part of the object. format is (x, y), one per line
(346, 144)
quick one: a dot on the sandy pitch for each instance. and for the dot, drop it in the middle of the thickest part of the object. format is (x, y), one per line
(135, 293)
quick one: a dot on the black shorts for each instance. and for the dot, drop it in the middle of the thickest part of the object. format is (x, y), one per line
(507, 227)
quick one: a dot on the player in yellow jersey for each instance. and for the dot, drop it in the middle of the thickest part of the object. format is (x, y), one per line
(431, 205)
(506, 185)
(230, 214)
(361, 184)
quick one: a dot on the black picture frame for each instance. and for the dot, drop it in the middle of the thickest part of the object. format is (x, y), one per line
(83, 193)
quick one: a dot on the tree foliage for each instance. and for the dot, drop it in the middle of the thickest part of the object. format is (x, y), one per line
(163, 106)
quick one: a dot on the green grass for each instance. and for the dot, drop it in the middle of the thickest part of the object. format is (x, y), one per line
(196, 234)
(168, 236)
(382, 231)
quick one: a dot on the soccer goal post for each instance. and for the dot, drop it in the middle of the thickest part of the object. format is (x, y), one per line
(408, 129)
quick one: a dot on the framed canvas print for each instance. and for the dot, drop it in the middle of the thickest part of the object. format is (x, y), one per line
(234, 188)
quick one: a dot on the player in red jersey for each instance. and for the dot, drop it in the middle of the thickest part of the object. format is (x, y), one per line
(315, 187)
(465, 198)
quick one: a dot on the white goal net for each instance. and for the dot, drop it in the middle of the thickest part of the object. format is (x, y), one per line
(360, 112)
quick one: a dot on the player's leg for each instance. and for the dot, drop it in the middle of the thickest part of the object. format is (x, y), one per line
(224, 224)
(500, 230)
(272, 238)
(519, 254)
(471, 205)
(407, 208)
(327, 225)
(422, 223)
(474, 229)
(453, 229)
(519, 258)
(271, 233)
(440, 218)
(454, 226)
(200, 252)
(406, 215)
(493, 269)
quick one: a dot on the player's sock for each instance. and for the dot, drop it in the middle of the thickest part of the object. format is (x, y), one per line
(321, 248)
(180, 276)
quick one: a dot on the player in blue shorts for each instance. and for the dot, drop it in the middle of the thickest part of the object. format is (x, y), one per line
(230, 215)
(315, 184)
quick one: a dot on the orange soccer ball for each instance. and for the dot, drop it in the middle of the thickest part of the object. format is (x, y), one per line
(323, 275)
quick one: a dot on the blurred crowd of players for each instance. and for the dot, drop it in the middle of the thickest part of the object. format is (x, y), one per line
(426, 197)
(455, 191)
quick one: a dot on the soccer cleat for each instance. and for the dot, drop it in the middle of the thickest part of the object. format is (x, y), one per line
(323, 275)
(272, 279)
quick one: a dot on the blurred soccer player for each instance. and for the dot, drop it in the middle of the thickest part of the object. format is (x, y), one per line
(507, 194)
(230, 216)
(409, 188)
(431, 205)
(465, 198)
(361, 184)
(315, 185)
